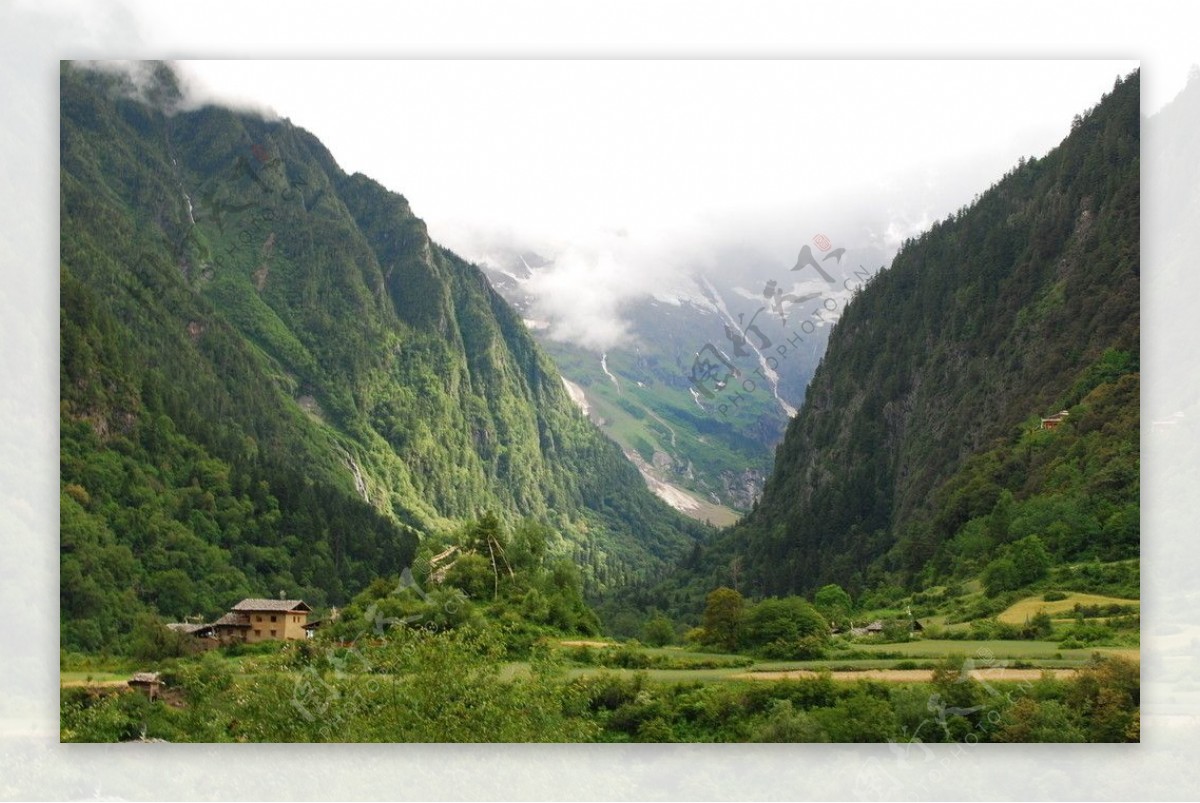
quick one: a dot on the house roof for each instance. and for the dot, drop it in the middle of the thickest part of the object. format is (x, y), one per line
(232, 620)
(186, 627)
(144, 677)
(271, 605)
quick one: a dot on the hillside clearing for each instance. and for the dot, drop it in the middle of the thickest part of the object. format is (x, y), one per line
(1023, 610)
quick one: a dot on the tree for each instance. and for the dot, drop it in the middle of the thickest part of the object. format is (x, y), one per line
(1000, 575)
(658, 631)
(1029, 720)
(833, 601)
(1000, 519)
(151, 640)
(473, 574)
(784, 628)
(529, 543)
(1030, 559)
(722, 618)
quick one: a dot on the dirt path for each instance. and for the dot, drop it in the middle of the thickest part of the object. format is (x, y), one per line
(587, 644)
(907, 675)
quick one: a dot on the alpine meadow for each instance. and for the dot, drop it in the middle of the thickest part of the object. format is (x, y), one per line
(323, 479)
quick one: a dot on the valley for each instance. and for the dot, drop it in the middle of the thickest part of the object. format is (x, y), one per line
(809, 500)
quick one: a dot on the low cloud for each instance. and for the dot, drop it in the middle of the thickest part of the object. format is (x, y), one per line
(172, 88)
(583, 292)
(640, 176)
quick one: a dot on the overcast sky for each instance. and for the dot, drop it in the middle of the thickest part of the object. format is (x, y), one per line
(568, 151)
(631, 174)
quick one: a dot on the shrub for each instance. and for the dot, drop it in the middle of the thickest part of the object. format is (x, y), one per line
(1083, 634)
(151, 640)
(786, 628)
(988, 629)
(658, 631)
(785, 724)
(1038, 627)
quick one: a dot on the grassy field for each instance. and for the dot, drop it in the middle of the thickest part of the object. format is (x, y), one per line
(918, 657)
(90, 678)
(1022, 610)
(1015, 650)
(898, 662)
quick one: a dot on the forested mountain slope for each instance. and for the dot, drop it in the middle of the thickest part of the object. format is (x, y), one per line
(918, 453)
(273, 380)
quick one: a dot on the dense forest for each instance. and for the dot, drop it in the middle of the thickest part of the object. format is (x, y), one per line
(919, 457)
(272, 380)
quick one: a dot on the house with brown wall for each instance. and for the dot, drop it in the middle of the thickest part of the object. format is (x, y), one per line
(271, 619)
(253, 620)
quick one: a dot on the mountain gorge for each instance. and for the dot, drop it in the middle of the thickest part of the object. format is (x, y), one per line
(919, 456)
(705, 456)
(272, 379)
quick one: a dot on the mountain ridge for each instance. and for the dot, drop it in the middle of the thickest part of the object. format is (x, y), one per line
(242, 317)
(994, 316)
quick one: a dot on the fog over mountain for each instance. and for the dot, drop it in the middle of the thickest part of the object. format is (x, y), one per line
(631, 176)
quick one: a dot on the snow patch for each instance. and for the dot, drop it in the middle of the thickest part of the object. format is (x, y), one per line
(718, 302)
(577, 395)
(604, 365)
(677, 498)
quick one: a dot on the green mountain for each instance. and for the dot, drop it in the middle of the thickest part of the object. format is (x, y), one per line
(273, 380)
(918, 455)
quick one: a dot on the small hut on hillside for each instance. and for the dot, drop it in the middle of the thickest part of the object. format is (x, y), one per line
(148, 683)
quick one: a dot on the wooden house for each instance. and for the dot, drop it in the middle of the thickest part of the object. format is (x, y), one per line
(271, 619)
(873, 629)
(253, 620)
(148, 683)
(1054, 420)
(231, 628)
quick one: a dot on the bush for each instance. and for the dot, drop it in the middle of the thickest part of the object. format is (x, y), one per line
(785, 628)
(202, 679)
(1039, 626)
(807, 648)
(658, 631)
(989, 629)
(785, 724)
(151, 640)
(1084, 634)
(109, 716)
(1054, 596)
(860, 717)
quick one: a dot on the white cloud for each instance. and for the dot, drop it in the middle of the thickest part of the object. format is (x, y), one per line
(630, 174)
(194, 91)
